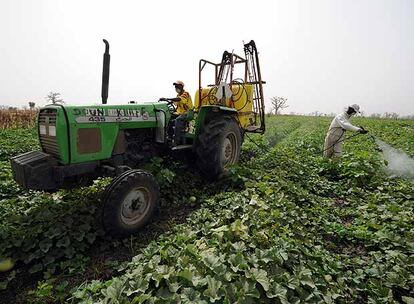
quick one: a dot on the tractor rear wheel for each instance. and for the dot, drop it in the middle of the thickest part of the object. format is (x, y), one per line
(129, 202)
(218, 146)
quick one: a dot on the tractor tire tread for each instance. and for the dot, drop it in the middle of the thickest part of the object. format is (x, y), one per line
(114, 194)
(113, 184)
(208, 142)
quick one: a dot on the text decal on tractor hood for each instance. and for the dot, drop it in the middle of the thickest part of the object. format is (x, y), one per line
(91, 115)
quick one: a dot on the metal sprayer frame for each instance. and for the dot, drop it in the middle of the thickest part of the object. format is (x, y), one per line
(229, 61)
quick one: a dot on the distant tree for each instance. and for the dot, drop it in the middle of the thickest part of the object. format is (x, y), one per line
(375, 115)
(391, 115)
(32, 105)
(54, 97)
(317, 113)
(278, 104)
(394, 115)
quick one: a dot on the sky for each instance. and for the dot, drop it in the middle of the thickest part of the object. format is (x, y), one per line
(322, 55)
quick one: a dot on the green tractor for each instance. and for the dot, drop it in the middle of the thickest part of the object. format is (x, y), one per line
(82, 143)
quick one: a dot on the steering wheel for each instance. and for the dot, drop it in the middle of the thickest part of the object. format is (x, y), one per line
(171, 106)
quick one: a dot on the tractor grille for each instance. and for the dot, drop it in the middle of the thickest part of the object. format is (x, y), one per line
(47, 131)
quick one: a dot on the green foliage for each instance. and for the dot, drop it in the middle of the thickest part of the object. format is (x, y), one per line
(30, 238)
(286, 226)
(15, 141)
(302, 229)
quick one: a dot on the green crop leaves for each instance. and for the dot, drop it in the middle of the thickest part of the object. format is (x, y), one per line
(286, 226)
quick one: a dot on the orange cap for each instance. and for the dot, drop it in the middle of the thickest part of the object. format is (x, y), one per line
(179, 82)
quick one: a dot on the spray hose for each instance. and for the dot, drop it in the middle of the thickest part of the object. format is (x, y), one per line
(260, 146)
(339, 140)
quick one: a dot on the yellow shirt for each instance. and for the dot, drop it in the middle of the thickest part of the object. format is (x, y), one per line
(184, 104)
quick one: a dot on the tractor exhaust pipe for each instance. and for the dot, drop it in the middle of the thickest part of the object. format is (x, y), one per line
(105, 73)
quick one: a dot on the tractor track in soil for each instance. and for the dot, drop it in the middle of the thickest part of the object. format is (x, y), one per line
(97, 267)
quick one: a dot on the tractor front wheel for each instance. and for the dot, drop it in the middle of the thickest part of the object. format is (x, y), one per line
(129, 202)
(218, 146)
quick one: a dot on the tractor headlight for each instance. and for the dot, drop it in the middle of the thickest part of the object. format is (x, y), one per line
(42, 129)
(52, 131)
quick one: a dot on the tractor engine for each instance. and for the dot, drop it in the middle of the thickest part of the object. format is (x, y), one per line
(139, 147)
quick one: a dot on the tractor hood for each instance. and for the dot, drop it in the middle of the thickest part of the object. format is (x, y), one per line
(76, 134)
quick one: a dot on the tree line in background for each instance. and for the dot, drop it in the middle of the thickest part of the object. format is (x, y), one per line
(52, 97)
(278, 103)
(388, 115)
(13, 117)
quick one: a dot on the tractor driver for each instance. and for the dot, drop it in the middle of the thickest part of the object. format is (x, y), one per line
(183, 104)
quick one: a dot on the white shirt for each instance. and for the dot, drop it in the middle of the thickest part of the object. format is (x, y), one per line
(340, 123)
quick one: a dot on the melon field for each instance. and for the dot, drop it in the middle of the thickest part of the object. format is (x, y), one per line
(286, 226)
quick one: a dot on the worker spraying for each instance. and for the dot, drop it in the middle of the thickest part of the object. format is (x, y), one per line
(336, 133)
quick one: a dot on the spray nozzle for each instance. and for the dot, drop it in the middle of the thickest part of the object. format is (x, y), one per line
(362, 130)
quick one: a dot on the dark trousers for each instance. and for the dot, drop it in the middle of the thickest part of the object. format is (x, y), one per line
(180, 122)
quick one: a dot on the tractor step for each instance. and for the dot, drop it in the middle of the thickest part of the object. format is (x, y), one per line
(252, 128)
(182, 147)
